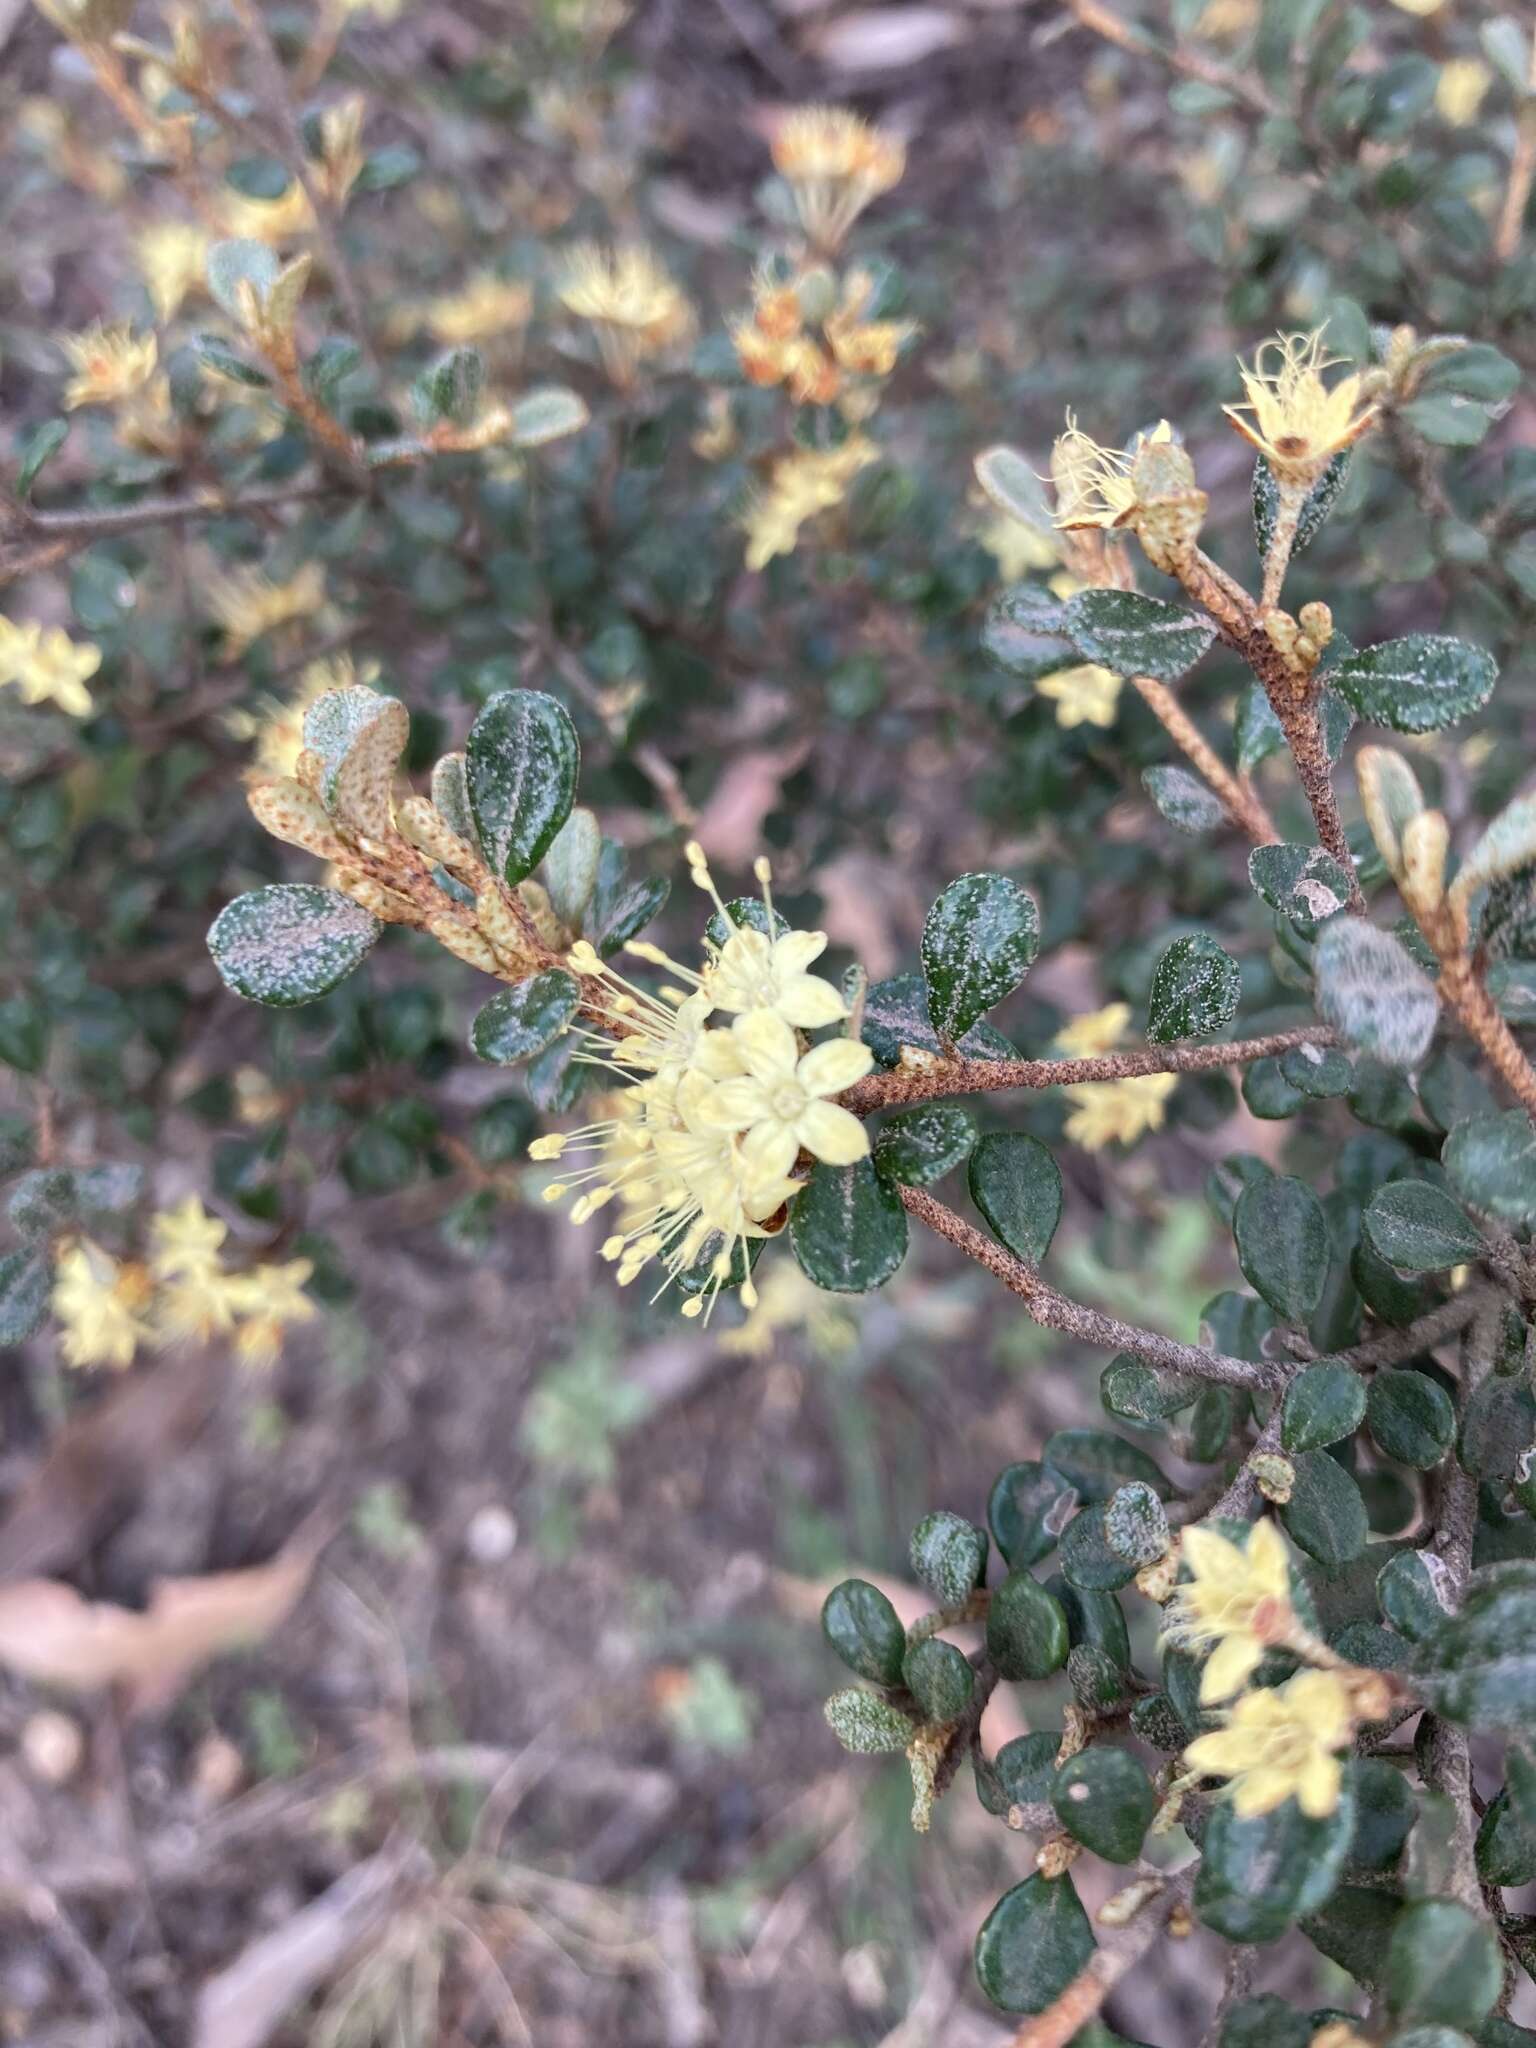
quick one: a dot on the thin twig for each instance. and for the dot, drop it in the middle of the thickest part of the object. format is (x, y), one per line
(1103, 21)
(1237, 796)
(907, 1085)
(279, 106)
(1066, 2016)
(32, 540)
(1522, 173)
(1088, 1325)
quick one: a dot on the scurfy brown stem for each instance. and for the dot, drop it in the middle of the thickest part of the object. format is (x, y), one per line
(1057, 1312)
(1239, 799)
(1065, 2017)
(1465, 995)
(279, 106)
(909, 1085)
(31, 540)
(1522, 173)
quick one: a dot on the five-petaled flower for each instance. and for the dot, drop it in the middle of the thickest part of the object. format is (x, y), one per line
(1237, 1597)
(1299, 423)
(780, 1103)
(1280, 1743)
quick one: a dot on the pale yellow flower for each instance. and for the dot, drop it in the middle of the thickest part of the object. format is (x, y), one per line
(1083, 695)
(802, 485)
(781, 1104)
(634, 306)
(1420, 7)
(46, 666)
(1017, 547)
(99, 1302)
(1097, 1031)
(486, 309)
(834, 163)
(1460, 90)
(1118, 1112)
(753, 972)
(1299, 424)
(270, 1299)
(247, 604)
(198, 1307)
(173, 259)
(1237, 1598)
(110, 365)
(184, 1242)
(1280, 1743)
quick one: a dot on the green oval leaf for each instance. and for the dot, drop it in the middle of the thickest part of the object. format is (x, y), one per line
(1417, 684)
(1029, 1507)
(1257, 1876)
(1302, 883)
(939, 1678)
(1323, 1405)
(979, 941)
(1282, 1244)
(1443, 1964)
(1478, 1668)
(1032, 1944)
(1491, 1161)
(1325, 1515)
(1026, 1629)
(522, 759)
(1104, 1799)
(1183, 799)
(1136, 635)
(848, 1228)
(520, 1021)
(1411, 1418)
(26, 1280)
(922, 1145)
(1097, 1464)
(1016, 1185)
(1195, 990)
(896, 1014)
(865, 1630)
(1418, 1228)
(949, 1556)
(290, 943)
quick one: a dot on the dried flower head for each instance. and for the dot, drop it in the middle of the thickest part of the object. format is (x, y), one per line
(488, 309)
(801, 485)
(1299, 423)
(634, 305)
(173, 258)
(835, 164)
(110, 365)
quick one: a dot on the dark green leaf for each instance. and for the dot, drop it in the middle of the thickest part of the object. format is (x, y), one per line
(1089, 1562)
(1303, 883)
(1021, 1772)
(1414, 1590)
(1103, 1799)
(1385, 1811)
(1411, 1418)
(1195, 991)
(865, 1630)
(939, 1678)
(921, 1145)
(1135, 1526)
(36, 447)
(1023, 634)
(1016, 1185)
(896, 1014)
(290, 943)
(521, 1020)
(1026, 1629)
(1417, 684)
(26, 1278)
(1418, 1228)
(949, 1556)
(1319, 502)
(1478, 1668)
(1442, 1964)
(1032, 1944)
(1323, 1405)
(1183, 799)
(848, 1228)
(1325, 1515)
(1282, 1244)
(978, 942)
(1136, 635)
(1506, 1846)
(1257, 1876)
(1098, 1464)
(1498, 1426)
(1029, 1507)
(23, 1034)
(1491, 1161)
(1374, 993)
(1137, 1393)
(522, 759)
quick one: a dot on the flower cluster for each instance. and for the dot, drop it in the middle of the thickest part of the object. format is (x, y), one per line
(703, 1146)
(835, 164)
(801, 485)
(1110, 1112)
(1278, 1742)
(636, 311)
(814, 336)
(107, 1307)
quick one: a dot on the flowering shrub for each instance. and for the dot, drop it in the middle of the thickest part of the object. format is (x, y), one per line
(472, 570)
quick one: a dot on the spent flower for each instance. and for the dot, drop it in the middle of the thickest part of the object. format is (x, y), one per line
(1299, 423)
